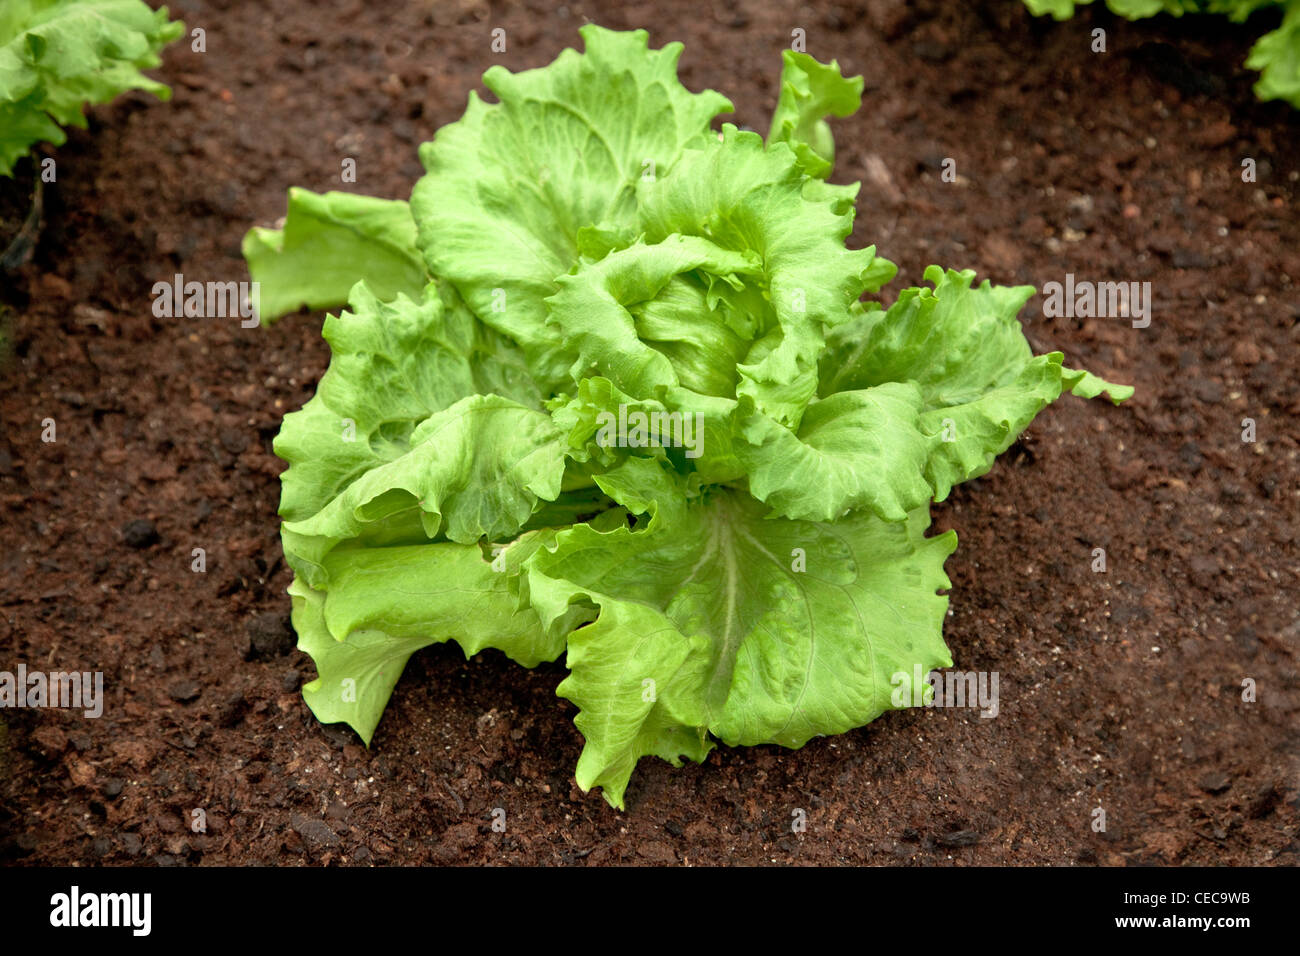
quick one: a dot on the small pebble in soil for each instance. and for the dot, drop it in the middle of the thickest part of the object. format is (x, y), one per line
(290, 681)
(959, 838)
(1190, 453)
(316, 834)
(340, 735)
(1216, 781)
(139, 533)
(132, 843)
(184, 691)
(232, 711)
(269, 635)
(112, 788)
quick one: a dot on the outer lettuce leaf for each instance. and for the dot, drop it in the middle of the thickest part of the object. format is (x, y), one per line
(393, 366)
(474, 471)
(57, 55)
(510, 185)
(972, 434)
(862, 449)
(329, 243)
(955, 341)
(383, 604)
(1087, 385)
(705, 604)
(811, 91)
(1277, 57)
(980, 383)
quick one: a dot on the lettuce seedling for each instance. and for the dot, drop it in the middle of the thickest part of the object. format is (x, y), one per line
(1276, 55)
(58, 55)
(607, 388)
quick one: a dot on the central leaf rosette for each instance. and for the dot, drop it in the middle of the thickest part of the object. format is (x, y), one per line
(715, 302)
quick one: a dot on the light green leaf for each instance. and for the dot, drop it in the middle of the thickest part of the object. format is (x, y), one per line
(981, 385)
(858, 449)
(511, 185)
(58, 55)
(329, 243)
(971, 435)
(475, 470)
(383, 604)
(591, 310)
(394, 364)
(1087, 385)
(811, 91)
(707, 627)
(955, 341)
(752, 200)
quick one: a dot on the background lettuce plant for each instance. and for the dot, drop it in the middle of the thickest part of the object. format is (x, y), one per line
(1276, 55)
(589, 243)
(58, 55)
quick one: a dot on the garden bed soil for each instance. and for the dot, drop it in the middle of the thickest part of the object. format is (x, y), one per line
(1119, 690)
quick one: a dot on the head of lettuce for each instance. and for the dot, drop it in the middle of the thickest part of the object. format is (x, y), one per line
(586, 250)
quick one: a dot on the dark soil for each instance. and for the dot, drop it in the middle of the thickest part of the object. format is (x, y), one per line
(1120, 690)
(19, 215)
(15, 201)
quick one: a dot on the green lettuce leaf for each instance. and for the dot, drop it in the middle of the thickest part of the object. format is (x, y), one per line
(476, 470)
(58, 55)
(329, 243)
(1277, 56)
(753, 200)
(509, 187)
(715, 621)
(811, 91)
(383, 604)
(394, 364)
(962, 345)
(862, 449)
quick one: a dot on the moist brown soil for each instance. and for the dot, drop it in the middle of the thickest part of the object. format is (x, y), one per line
(19, 215)
(15, 201)
(1120, 690)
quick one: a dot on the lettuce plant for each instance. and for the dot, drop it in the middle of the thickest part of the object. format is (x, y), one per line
(607, 388)
(58, 55)
(1276, 55)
